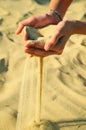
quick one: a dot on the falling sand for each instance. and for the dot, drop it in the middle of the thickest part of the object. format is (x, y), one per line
(64, 77)
(37, 123)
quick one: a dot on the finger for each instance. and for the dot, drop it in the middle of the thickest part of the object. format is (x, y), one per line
(59, 47)
(30, 55)
(20, 28)
(51, 43)
(38, 52)
(26, 37)
(27, 22)
(29, 45)
(34, 44)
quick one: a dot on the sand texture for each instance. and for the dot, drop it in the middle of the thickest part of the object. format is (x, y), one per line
(64, 77)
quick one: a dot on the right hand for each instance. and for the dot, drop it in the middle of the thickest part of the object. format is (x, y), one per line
(37, 22)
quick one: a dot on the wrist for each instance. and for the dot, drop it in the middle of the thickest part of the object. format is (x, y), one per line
(73, 28)
(71, 25)
(54, 16)
(79, 27)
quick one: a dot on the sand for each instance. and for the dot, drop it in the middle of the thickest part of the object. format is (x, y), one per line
(64, 92)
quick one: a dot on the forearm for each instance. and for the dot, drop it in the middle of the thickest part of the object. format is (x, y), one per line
(79, 27)
(60, 5)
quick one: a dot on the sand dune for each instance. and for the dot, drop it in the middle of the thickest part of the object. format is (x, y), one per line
(64, 87)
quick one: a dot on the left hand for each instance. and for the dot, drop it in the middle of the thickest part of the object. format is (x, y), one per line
(56, 44)
(37, 49)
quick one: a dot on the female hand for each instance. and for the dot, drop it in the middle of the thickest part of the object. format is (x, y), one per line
(56, 44)
(37, 22)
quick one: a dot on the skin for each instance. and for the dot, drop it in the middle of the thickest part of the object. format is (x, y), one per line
(55, 44)
(60, 5)
(64, 29)
(46, 19)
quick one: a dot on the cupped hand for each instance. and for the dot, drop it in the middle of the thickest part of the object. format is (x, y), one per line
(62, 33)
(37, 22)
(37, 49)
(56, 44)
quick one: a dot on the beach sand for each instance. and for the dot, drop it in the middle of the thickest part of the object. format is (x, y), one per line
(64, 89)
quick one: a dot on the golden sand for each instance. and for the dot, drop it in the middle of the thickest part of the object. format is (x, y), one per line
(64, 89)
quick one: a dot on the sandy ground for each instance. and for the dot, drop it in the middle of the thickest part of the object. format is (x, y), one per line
(64, 89)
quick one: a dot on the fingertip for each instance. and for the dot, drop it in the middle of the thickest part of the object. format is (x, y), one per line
(26, 45)
(17, 32)
(26, 50)
(20, 28)
(30, 55)
(46, 47)
(50, 43)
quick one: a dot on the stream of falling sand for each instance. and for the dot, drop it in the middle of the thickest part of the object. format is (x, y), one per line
(39, 92)
(30, 100)
(19, 125)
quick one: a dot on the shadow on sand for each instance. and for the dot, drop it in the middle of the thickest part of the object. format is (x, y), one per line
(42, 2)
(70, 123)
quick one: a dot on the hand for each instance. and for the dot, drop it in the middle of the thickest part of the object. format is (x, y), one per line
(62, 33)
(56, 44)
(37, 49)
(37, 22)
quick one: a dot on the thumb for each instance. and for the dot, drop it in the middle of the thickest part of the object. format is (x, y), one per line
(51, 42)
